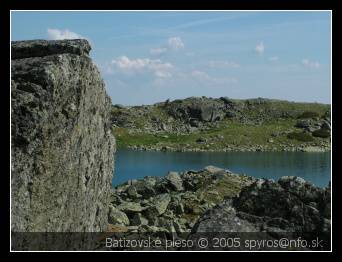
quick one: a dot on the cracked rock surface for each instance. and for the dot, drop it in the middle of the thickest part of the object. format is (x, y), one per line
(62, 147)
(291, 206)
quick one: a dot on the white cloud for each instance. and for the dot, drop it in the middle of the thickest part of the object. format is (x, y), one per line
(273, 58)
(173, 44)
(140, 65)
(56, 34)
(260, 48)
(310, 64)
(158, 50)
(162, 74)
(217, 63)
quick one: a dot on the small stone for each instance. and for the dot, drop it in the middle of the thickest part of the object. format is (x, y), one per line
(161, 202)
(117, 217)
(178, 228)
(130, 207)
(138, 220)
(175, 181)
(132, 192)
(201, 140)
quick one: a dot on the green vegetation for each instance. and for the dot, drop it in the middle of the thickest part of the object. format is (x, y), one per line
(309, 114)
(321, 133)
(255, 124)
(230, 133)
(300, 136)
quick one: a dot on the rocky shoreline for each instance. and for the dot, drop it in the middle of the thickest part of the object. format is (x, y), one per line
(216, 200)
(255, 148)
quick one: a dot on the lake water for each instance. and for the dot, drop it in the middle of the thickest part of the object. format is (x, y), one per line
(313, 167)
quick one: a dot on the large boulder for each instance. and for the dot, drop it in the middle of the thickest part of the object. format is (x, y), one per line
(290, 206)
(195, 108)
(62, 147)
(223, 218)
(296, 202)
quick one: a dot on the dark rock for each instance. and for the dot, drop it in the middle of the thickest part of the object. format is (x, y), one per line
(138, 220)
(222, 218)
(291, 205)
(119, 106)
(226, 100)
(40, 48)
(304, 123)
(132, 192)
(146, 187)
(195, 123)
(201, 140)
(326, 125)
(323, 133)
(201, 109)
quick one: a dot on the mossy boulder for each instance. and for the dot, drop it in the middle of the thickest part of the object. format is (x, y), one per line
(300, 136)
(323, 133)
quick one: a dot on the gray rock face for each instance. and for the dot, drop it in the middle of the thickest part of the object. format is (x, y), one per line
(202, 109)
(223, 218)
(40, 48)
(62, 146)
(289, 205)
(312, 125)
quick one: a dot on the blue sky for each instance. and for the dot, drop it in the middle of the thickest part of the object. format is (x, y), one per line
(147, 57)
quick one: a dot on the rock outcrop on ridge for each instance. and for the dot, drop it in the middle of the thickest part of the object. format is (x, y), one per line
(198, 124)
(62, 148)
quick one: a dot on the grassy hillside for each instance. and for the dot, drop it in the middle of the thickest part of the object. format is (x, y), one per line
(252, 124)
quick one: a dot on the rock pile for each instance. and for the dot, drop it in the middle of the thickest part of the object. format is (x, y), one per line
(172, 203)
(216, 201)
(290, 208)
(289, 205)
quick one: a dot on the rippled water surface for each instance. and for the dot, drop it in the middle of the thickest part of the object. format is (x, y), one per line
(313, 167)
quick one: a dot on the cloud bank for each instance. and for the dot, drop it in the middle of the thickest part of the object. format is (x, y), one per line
(173, 44)
(56, 34)
(143, 65)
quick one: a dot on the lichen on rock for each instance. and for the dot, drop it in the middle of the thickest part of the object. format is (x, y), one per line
(62, 148)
